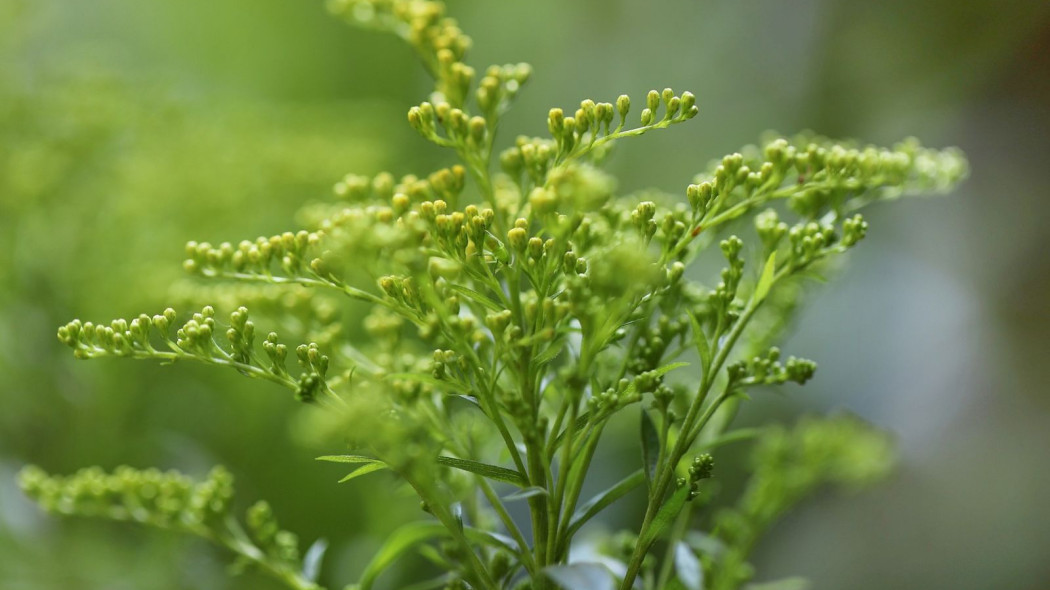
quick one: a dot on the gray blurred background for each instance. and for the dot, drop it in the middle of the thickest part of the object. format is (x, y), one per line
(127, 128)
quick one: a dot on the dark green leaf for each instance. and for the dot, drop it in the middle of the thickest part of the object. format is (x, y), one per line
(729, 437)
(665, 516)
(579, 425)
(703, 347)
(604, 499)
(485, 470)
(650, 448)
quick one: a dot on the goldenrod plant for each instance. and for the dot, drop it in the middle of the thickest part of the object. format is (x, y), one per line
(515, 303)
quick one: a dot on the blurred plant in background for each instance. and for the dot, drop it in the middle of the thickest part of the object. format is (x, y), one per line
(580, 322)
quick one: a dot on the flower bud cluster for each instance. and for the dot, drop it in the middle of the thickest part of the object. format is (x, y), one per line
(166, 499)
(810, 241)
(445, 183)
(675, 108)
(314, 367)
(593, 120)
(460, 129)
(768, 370)
(654, 342)
(196, 339)
(499, 86)
(816, 174)
(279, 545)
(290, 252)
(463, 235)
(725, 292)
(700, 469)
(531, 156)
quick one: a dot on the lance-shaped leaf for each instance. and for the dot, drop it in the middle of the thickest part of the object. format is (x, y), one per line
(665, 516)
(602, 500)
(485, 470)
(650, 448)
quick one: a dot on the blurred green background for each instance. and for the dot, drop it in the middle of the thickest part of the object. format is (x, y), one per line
(128, 128)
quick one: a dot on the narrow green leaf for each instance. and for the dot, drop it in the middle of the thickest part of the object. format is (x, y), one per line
(580, 423)
(602, 500)
(525, 494)
(410, 535)
(592, 576)
(364, 470)
(489, 538)
(665, 516)
(397, 544)
(687, 567)
(485, 470)
(312, 559)
(550, 353)
(728, 438)
(347, 459)
(476, 296)
(650, 448)
(703, 347)
(766, 280)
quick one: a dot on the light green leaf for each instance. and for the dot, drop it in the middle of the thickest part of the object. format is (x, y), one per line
(769, 272)
(602, 500)
(687, 567)
(577, 576)
(489, 538)
(397, 544)
(312, 559)
(347, 459)
(550, 353)
(364, 470)
(485, 470)
(703, 347)
(525, 494)
(476, 296)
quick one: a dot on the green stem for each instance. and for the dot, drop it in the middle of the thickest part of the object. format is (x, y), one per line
(691, 427)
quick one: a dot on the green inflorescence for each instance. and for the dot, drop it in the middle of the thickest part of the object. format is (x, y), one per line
(520, 286)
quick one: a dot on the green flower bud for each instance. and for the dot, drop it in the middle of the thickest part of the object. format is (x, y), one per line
(623, 106)
(518, 239)
(543, 201)
(556, 122)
